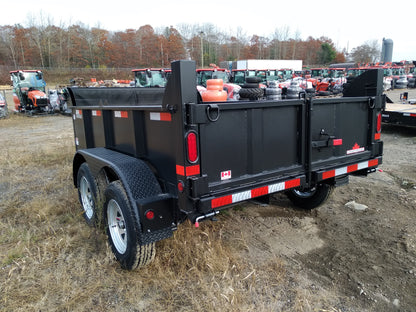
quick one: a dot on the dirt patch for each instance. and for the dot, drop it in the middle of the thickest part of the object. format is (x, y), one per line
(255, 258)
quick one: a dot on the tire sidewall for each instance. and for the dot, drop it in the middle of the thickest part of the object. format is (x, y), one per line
(251, 93)
(253, 79)
(84, 171)
(116, 192)
(250, 85)
(315, 199)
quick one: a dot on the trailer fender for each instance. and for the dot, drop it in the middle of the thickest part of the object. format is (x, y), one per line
(152, 208)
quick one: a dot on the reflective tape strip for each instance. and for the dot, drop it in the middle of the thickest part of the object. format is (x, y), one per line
(352, 168)
(260, 191)
(78, 114)
(121, 114)
(341, 171)
(180, 170)
(188, 171)
(96, 113)
(241, 196)
(192, 170)
(348, 169)
(161, 116)
(328, 174)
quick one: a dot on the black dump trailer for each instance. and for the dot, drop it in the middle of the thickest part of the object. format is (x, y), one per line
(149, 158)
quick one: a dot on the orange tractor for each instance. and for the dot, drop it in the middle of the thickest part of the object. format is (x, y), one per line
(29, 94)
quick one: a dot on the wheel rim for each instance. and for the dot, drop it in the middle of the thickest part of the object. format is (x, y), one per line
(117, 226)
(305, 193)
(86, 197)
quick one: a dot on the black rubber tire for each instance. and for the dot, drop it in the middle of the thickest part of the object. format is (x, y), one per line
(324, 93)
(250, 85)
(253, 79)
(251, 93)
(87, 194)
(309, 199)
(123, 230)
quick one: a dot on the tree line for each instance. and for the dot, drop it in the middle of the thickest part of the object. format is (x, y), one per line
(79, 46)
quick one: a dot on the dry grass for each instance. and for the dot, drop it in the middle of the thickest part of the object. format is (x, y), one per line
(50, 260)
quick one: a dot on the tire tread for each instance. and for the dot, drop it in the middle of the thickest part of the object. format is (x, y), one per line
(140, 255)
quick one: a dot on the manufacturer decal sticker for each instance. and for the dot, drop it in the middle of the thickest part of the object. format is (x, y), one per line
(355, 149)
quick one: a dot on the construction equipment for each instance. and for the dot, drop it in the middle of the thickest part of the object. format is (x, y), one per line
(151, 77)
(29, 94)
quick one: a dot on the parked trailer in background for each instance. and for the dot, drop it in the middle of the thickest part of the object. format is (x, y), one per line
(403, 114)
(149, 158)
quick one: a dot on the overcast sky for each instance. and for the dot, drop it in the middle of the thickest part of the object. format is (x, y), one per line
(348, 23)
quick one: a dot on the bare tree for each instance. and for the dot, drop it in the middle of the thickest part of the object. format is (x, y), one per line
(7, 40)
(366, 53)
(296, 40)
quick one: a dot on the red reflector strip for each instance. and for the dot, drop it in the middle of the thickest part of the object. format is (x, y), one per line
(192, 170)
(180, 170)
(292, 183)
(351, 168)
(96, 113)
(377, 136)
(373, 162)
(409, 115)
(161, 116)
(328, 174)
(337, 142)
(260, 191)
(121, 114)
(188, 171)
(221, 201)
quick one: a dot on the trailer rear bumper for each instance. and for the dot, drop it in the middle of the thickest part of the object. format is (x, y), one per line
(239, 195)
(329, 176)
(357, 168)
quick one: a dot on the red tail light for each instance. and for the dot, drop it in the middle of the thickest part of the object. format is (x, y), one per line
(181, 186)
(149, 214)
(192, 147)
(379, 122)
